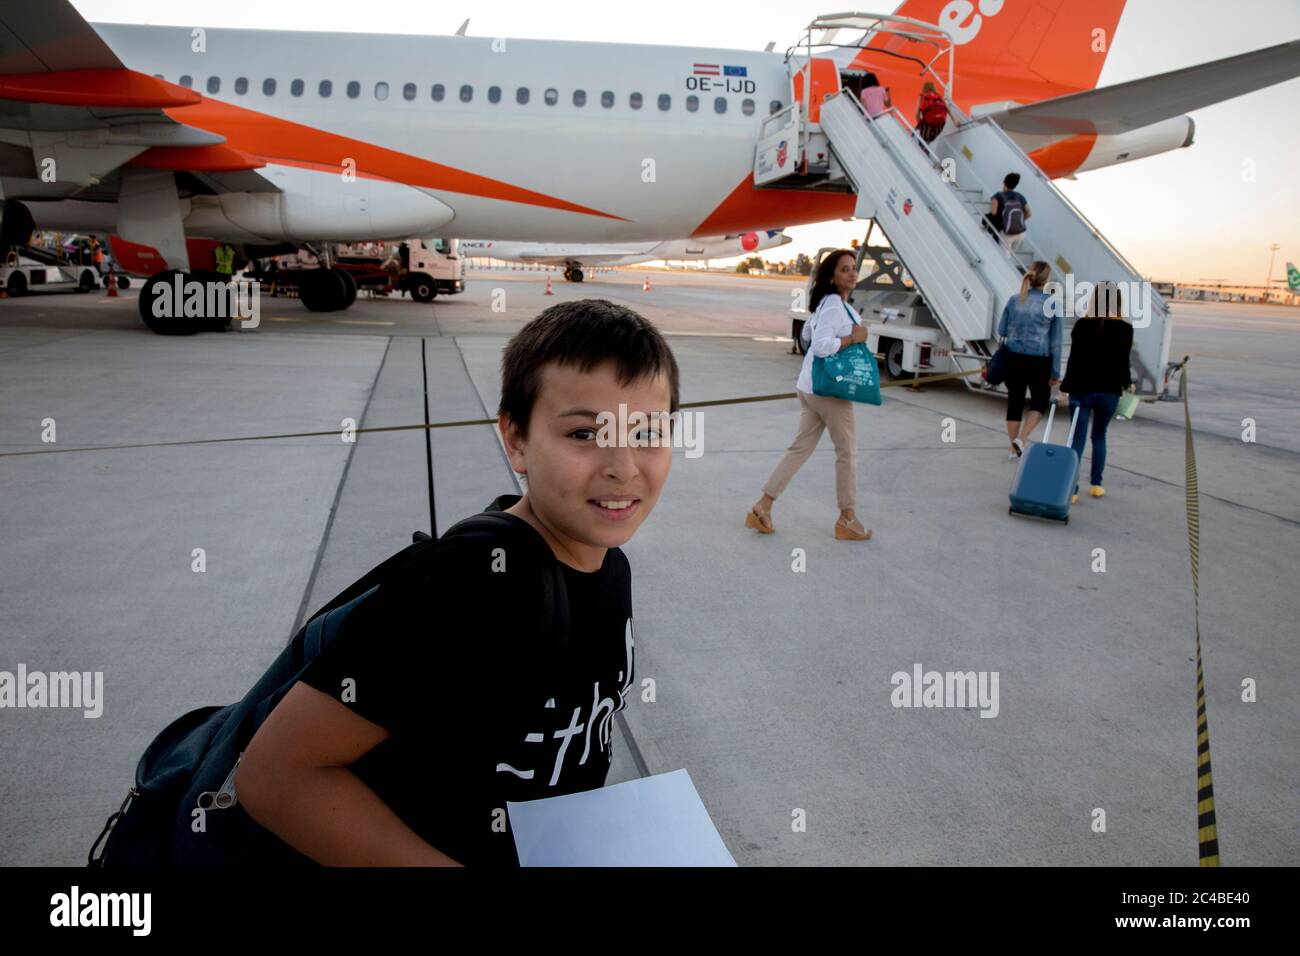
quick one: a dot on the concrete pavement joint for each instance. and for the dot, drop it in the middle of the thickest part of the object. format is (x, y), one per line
(338, 492)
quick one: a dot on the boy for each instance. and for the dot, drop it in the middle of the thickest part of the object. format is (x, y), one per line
(447, 693)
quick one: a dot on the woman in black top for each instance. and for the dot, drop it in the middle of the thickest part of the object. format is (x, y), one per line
(1097, 373)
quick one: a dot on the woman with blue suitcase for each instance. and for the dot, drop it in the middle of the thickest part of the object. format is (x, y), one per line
(835, 328)
(1033, 332)
(1098, 373)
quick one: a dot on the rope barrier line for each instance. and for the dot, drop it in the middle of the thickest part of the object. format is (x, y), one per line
(1206, 829)
(334, 433)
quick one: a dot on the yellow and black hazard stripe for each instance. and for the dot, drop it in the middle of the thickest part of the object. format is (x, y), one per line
(1206, 829)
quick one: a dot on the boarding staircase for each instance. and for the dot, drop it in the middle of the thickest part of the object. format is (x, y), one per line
(931, 199)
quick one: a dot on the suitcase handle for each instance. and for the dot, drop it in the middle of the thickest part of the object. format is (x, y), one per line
(1051, 414)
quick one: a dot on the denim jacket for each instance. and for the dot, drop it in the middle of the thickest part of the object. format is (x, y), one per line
(1030, 330)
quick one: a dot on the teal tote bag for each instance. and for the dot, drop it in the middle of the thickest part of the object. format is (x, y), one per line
(851, 373)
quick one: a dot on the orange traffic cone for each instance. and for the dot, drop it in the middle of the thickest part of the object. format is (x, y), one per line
(548, 286)
(645, 286)
(112, 285)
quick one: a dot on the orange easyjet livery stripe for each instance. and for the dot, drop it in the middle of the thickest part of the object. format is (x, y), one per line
(751, 208)
(197, 159)
(286, 143)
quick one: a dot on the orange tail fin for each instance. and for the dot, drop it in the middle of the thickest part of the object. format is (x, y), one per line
(1022, 50)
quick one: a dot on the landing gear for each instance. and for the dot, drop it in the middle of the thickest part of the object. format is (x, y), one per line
(168, 318)
(326, 290)
(572, 274)
(172, 307)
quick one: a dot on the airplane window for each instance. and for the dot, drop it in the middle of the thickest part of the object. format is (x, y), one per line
(692, 103)
(494, 94)
(241, 85)
(466, 93)
(579, 97)
(325, 89)
(408, 91)
(185, 81)
(775, 107)
(214, 84)
(268, 87)
(665, 101)
(551, 96)
(747, 107)
(634, 101)
(438, 91)
(381, 90)
(720, 104)
(607, 99)
(354, 89)
(295, 88)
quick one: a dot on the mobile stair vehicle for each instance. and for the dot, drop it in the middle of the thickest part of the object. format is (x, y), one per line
(933, 278)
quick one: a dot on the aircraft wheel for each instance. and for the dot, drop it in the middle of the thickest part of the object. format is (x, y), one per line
(349, 288)
(160, 289)
(577, 275)
(321, 290)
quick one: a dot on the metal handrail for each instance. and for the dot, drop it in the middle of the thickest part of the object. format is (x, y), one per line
(932, 36)
(973, 257)
(937, 165)
(1046, 180)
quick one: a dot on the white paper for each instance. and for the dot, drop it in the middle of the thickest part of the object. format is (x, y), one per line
(654, 821)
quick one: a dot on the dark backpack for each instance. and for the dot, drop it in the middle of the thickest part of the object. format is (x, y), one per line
(191, 763)
(1012, 207)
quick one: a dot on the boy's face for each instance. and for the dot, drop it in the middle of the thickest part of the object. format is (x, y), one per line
(570, 473)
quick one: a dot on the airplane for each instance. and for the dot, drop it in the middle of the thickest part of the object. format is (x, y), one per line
(574, 257)
(277, 140)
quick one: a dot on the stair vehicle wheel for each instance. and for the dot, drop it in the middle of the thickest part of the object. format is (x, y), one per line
(87, 281)
(894, 358)
(17, 284)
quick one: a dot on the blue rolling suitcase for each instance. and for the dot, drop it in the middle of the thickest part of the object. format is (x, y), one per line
(1046, 476)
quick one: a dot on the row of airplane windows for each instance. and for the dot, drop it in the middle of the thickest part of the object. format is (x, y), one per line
(438, 93)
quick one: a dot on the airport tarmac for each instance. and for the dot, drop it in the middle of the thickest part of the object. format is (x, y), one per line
(772, 686)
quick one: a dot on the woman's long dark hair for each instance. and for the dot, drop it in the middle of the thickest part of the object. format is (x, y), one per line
(822, 283)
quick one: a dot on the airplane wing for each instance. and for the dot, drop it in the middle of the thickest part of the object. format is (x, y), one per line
(1128, 106)
(63, 89)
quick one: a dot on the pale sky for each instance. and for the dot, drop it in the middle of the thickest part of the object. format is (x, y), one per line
(1181, 216)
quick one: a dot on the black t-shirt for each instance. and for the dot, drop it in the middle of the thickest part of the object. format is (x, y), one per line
(484, 703)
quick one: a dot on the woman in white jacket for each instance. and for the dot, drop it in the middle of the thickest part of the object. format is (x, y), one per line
(834, 326)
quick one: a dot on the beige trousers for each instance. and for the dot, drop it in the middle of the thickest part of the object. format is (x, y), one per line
(817, 413)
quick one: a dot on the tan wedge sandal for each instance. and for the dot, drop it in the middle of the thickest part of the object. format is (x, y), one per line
(760, 521)
(851, 530)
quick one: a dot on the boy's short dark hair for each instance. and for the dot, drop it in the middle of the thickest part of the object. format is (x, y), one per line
(1012, 180)
(584, 333)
